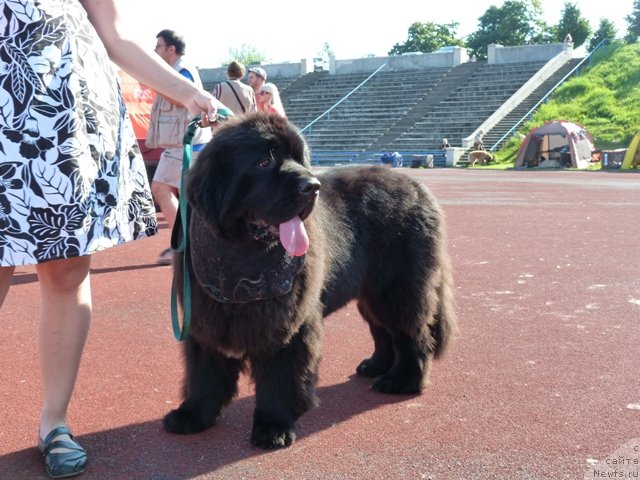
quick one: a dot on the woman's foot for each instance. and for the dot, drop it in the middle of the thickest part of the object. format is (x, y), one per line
(63, 456)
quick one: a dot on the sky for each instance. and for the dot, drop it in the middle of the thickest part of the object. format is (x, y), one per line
(288, 30)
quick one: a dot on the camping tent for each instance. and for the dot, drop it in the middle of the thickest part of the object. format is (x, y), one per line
(632, 157)
(556, 144)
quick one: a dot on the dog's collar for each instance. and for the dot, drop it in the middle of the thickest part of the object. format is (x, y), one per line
(231, 272)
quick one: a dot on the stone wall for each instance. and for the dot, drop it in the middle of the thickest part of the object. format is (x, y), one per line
(449, 57)
(525, 53)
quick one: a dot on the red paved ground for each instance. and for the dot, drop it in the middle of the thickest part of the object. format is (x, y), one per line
(542, 381)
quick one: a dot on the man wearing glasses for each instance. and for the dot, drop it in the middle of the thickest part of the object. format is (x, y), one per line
(167, 125)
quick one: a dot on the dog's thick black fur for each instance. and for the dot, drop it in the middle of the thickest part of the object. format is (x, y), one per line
(375, 235)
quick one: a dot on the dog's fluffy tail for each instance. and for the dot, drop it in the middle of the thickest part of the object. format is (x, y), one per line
(445, 321)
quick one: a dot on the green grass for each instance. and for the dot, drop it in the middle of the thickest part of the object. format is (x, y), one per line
(604, 97)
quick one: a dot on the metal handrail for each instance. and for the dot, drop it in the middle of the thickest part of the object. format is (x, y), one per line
(543, 99)
(345, 97)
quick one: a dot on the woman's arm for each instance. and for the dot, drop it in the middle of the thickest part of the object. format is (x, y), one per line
(145, 66)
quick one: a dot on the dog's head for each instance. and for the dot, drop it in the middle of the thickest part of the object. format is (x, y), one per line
(252, 182)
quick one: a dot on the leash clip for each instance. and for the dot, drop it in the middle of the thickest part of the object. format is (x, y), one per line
(220, 115)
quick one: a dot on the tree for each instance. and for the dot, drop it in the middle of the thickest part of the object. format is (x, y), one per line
(516, 22)
(427, 38)
(633, 23)
(246, 54)
(572, 23)
(542, 32)
(326, 51)
(606, 30)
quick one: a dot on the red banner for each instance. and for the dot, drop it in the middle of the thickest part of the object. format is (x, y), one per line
(138, 99)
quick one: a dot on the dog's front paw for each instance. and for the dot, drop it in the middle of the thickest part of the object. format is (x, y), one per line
(182, 420)
(271, 437)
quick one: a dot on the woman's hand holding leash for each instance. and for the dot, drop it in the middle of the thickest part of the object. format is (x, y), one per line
(208, 107)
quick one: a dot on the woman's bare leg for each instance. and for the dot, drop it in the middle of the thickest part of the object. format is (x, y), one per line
(65, 315)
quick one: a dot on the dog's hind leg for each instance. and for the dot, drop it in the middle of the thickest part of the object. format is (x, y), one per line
(403, 346)
(211, 383)
(285, 388)
(382, 358)
(410, 368)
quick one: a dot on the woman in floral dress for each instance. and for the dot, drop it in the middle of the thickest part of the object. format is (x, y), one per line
(72, 180)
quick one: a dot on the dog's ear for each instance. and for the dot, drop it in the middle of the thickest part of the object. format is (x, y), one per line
(296, 144)
(208, 192)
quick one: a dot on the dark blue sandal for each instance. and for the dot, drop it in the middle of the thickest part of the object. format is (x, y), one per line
(61, 464)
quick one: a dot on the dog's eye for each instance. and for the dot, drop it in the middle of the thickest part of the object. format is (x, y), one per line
(266, 163)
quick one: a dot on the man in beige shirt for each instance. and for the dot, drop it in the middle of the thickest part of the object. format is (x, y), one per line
(237, 96)
(168, 124)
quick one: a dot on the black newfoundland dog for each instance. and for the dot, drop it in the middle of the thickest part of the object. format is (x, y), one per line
(274, 249)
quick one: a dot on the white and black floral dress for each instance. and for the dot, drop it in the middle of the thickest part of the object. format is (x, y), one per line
(72, 179)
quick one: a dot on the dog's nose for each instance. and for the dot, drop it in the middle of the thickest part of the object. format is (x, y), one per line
(309, 186)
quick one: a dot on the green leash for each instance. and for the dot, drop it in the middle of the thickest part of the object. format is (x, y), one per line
(184, 216)
(183, 212)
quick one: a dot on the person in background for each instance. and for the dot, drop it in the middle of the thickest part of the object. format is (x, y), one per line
(256, 77)
(393, 159)
(397, 160)
(445, 144)
(73, 181)
(268, 100)
(239, 97)
(167, 125)
(478, 143)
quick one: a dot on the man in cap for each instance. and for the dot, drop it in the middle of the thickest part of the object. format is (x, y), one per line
(257, 76)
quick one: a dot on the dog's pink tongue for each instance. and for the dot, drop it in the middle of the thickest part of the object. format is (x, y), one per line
(293, 237)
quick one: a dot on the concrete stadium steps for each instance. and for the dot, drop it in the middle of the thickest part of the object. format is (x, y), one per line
(283, 83)
(409, 110)
(507, 123)
(388, 92)
(368, 113)
(450, 80)
(305, 105)
(448, 115)
(496, 136)
(466, 106)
